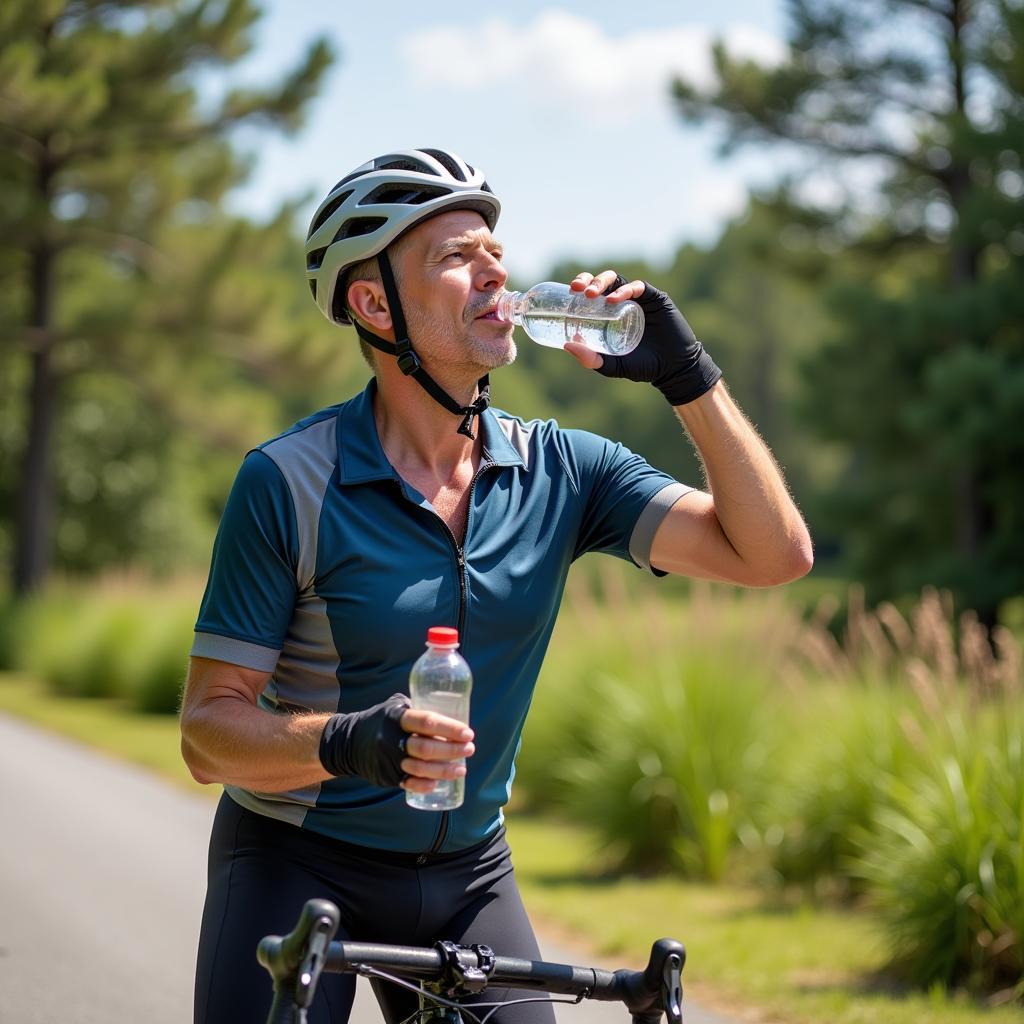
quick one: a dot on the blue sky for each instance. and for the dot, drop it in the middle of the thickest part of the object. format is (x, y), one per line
(565, 107)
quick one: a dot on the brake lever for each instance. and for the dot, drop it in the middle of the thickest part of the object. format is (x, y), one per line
(672, 987)
(659, 989)
(296, 961)
(321, 933)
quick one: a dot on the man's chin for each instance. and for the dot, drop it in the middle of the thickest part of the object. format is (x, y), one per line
(495, 352)
(509, 356)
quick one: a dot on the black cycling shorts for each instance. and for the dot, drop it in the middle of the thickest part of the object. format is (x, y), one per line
(262, 871)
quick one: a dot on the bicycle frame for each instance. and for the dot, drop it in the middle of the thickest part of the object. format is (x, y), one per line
(449, 972)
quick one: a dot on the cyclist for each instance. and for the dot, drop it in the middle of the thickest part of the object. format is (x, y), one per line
(410, 505)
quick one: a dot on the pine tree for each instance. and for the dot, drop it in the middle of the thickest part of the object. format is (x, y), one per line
(925, 381)
(107, 145)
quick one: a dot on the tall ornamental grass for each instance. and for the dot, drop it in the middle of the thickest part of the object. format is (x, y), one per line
(895, 683)
(945, 860)
(882, 763)
(844, 746)
(912, 792)
(655, 723)
(942, 856)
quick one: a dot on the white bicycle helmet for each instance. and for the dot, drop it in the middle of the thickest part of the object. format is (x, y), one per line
(369, 208)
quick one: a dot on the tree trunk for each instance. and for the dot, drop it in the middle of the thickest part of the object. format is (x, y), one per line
(974, 513)
(35, 500)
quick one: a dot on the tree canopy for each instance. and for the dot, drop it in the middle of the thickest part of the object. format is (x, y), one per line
(873, 333)
(922, 379)
(112, 158)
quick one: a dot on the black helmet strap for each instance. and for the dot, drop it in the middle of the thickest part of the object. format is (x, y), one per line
(408, 361)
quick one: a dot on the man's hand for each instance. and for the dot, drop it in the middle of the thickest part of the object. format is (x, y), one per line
(669, 356)
(392, 744)
(432, 746)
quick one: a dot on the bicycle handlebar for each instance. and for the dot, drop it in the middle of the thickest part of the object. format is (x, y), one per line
(296, 961)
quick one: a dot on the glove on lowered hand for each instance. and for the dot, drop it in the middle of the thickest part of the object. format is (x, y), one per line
(669, 355)
(369, 744)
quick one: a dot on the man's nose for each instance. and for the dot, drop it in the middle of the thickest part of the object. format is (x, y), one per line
(492, 275)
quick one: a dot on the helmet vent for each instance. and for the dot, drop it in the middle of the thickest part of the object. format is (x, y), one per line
(359, 226)
(327, 211)
(402, 165)
(312, 287)
(403, 194)
(314, 258)
(446, 161)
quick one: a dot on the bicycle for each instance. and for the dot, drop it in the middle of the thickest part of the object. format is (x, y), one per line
(447, 972)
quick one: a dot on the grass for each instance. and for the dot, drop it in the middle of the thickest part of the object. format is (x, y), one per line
(791, 961)
(784, 961)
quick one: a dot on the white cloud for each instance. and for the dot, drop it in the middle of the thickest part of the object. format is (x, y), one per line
(562, 58)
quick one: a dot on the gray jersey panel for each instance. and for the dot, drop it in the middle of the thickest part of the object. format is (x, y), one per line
(518, 435)
(306, 674)
(290, 807)
(307, 459)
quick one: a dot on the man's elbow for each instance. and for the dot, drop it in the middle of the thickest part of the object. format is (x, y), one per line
(798, 562)
(800, 565)
(197, 765)
(790, 563)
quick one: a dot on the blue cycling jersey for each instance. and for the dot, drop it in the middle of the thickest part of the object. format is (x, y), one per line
(328, 569)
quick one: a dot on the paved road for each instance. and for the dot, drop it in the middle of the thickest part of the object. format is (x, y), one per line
(102, 876)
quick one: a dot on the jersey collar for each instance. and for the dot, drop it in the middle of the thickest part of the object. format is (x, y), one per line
(361, 457)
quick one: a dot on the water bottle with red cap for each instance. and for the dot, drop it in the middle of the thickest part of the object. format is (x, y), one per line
(441, 681)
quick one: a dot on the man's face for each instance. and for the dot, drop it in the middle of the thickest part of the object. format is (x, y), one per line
(451, 274)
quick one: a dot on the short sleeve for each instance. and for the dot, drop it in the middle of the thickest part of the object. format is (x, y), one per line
(251, 591)
(624, 498)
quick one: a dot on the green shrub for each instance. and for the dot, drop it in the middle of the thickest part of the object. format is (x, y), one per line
(110, 632)
(46, 635)
(120, 638)
(945, 864)
(160, 664)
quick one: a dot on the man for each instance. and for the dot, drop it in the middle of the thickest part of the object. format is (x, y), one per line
(409, 506)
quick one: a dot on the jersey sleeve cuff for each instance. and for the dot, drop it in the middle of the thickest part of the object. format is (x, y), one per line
(236, 652)
(642, 538)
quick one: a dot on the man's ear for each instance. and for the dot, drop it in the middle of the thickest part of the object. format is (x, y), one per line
(366, 299)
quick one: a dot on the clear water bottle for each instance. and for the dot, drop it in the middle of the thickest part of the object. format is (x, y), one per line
(441, 681)
(553, 314)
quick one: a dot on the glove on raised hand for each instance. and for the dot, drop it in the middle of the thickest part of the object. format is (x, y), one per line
(369, 744)
(669, 355)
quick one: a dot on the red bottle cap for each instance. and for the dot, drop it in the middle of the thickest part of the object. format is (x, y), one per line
(442, 635)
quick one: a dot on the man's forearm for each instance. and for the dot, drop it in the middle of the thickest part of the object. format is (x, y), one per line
(229, 740)
(751, 502)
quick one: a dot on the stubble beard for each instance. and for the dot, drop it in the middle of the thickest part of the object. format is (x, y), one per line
(472, 345)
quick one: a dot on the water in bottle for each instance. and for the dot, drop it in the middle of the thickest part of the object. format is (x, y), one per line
(441, 681)
(552, 314)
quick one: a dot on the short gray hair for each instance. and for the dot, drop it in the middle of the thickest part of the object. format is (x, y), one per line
(366, 270)
(369, 270)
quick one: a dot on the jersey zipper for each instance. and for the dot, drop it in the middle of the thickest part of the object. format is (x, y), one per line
(460, 559)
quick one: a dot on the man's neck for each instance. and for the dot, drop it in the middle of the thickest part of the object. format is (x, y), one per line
(417, 433)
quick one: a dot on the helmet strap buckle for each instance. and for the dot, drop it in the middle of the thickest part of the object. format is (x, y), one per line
(408, 362)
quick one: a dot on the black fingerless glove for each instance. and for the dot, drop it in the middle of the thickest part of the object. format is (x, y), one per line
(669, 355)
(369, 744)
